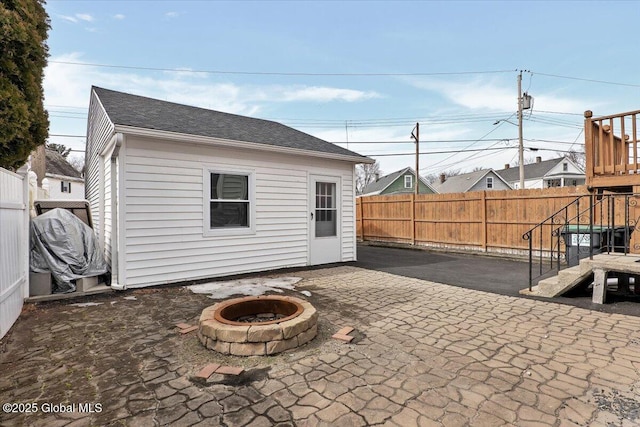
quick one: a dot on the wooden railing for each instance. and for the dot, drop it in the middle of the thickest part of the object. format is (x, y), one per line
(611, 149)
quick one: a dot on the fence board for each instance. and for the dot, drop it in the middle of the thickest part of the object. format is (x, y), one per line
(13, 247)
(486, 221)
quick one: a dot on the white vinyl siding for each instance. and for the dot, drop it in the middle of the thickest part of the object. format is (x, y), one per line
(164, 215)
(55, 186)
(99, 133)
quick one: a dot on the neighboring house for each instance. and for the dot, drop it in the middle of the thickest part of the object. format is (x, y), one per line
(485, 179)
(180, 193)
(56, 178)
(61, 179)
(560, 172)
(402, 181)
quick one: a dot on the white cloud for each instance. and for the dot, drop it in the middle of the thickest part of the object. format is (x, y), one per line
(475, 94)
(84, 17)
(77, 17)
(69, 85)
(118, 16)
(171, 15)
(326, 94)
(494, 95)
(68, 18)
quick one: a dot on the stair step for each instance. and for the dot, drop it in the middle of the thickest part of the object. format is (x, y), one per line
(563, 282)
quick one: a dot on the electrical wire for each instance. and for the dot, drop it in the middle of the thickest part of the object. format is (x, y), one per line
(276, 73)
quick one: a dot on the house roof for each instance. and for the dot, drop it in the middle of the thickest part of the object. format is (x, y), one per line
(147, 113)
(381, 183)
(531, 170)
(463, 182)
(55, 164)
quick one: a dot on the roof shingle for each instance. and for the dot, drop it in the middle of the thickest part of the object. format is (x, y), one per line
(148, 113)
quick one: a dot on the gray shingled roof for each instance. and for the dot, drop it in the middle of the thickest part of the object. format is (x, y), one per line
(460, 183)
(531, 171)
(55, 164)
(383, 182)
(148, 113)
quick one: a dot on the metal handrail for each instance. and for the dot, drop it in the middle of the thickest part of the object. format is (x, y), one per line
(582, 217)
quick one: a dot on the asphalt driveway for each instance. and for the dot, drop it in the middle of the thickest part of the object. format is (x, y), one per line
(482, 273)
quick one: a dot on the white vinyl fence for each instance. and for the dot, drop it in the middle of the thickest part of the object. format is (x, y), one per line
(14, 247)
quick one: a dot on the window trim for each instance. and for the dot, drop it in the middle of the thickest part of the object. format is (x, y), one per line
(65, 188)
(410, 181)
(489, 182)
(207, 231)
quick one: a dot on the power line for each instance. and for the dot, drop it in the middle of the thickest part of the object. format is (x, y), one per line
(276, 73)
(436, 152)
(589, 80)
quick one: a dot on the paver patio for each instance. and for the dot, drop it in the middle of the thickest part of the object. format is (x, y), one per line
(424, 354)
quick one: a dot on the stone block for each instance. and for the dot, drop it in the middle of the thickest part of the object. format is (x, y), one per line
(40, 284)
(274, 347)
(230, 370)
(308, 335)
(231, 333)
(207, 313)
(263, 333)
(299, 324)
(208, 328)
(83, 284)
(247, 349)
(208, 370)
(219, 346)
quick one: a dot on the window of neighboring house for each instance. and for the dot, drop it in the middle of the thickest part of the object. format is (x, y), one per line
(565, 167)
(489, 182)
(228, 202)
(408, 181)
(65, 187)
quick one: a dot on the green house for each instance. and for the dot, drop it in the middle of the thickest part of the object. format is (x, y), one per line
(402, 181)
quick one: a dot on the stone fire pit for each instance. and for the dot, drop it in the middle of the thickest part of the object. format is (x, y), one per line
(257, 326)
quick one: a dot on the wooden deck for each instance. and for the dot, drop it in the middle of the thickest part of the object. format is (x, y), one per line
(611, 150)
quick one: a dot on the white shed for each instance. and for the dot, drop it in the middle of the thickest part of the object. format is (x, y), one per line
(180, 193)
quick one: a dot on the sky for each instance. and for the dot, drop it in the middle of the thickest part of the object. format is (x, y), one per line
(360, 74)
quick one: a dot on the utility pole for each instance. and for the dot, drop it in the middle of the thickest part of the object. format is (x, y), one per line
(520, 143)
(415, 134)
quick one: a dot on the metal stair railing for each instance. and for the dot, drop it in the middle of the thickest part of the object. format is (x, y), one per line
(606, 222)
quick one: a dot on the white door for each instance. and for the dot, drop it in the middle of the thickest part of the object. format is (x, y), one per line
(324, 220)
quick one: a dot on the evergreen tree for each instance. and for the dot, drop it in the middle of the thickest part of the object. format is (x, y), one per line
(24, 123)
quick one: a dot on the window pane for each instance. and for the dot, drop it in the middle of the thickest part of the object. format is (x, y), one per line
(229, 214)
(229, 187)
(326, 215)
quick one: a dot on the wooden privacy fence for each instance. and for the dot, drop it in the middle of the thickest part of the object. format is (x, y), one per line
(483, 221)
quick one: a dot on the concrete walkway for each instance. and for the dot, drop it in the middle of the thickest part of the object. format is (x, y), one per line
(425, 354)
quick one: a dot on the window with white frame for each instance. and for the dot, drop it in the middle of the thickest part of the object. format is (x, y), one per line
(408, 181)
(65, 187)
(228, 201)
(489, 182)
(565, 167)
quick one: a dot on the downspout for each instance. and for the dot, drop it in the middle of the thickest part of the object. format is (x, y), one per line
(117, 281)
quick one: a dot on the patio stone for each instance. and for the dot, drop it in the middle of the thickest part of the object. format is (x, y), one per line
(425, 355)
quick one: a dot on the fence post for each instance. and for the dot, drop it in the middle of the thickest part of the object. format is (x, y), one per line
(413, 219)
(484, 221)
(359, 203)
